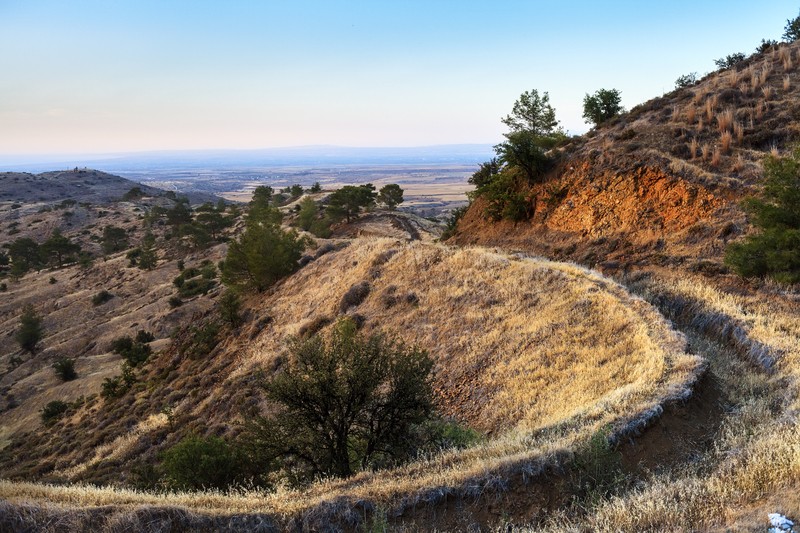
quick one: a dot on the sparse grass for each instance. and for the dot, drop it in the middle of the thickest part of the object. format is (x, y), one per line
(691, 113)
(725, 120)
(693, 147)
(768, 92)
(706, 151)
(725, 141)
(787, 83)
(716, 156)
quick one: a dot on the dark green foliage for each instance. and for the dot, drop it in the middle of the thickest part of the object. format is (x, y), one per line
(114, 240)
(534, 114)
(197, 463)
(179, 214)
(4, 259)
(729, 61)
(175, 301)
(687, 80)
(524, 151)
(346, 403)
(3, 287)
(118, 385)
(133, 256)
(58, 248)
(775, 250)
(598, 467)
(25, 255)
(200, 340)
(30, 329)
(315, 188)
(602, 105)
(144, 336)
(439, 434)
(133, 351)
(101, 297)
(263, 254)
(295, 190)
(212, 220)
(65, 369)
(308, 214)
(134, 193)
(52, 280)
(193, 281)
(147, 257)
(390, 195)
(53, 411)
(348, 201)
(229, 306)
(767, 45)
(791, 32)
(486, 173)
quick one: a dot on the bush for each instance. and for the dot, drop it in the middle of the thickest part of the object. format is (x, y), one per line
(65, 369)
(200, 340)
(354, 296)
(118, 385)
(346, 403)
(53, 411)
(30, 329)
(101, 297)
(687, 80)
(174, 301)
(135, 353)
(144, 336)
(791, 32)
(229, 307)
(198, 463)
(729, 61)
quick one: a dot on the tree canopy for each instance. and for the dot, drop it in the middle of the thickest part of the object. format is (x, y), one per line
(390, 195)
(602, 105)
(30, 329)
(348, 201)
(345, 402)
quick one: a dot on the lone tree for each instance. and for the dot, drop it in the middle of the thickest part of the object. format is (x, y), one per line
(346, 402)
(30, 329)
(601, 106)
(775, 251)
(348, 201)
(532, 113)
(390, 195)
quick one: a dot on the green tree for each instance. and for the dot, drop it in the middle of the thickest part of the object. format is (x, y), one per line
(181, 213)
(262, 255)
(390, 195)
(533, 113)
(524, 151)
(147, 257)
(315, 188)
(213, 219)
(486, 173)
(30, 329)
(791, 32)
(230, 308)
(686, 80)
(348, 201)
(197, 463)
(346, 403)
(309, 212)
(602, 105)
(59, 247)
(775, 250)
(65, 369)
(729, 61)
(25, 255)
(114, 239)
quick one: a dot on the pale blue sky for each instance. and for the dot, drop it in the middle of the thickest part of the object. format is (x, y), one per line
(119, 76)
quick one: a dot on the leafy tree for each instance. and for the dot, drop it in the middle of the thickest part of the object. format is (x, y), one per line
(524, 151)
(390, 195)
(347, 402)
(262, 209)
(25, 255)
(133, 194)
(791, 32)
(65, 369)
(114, 239)
(180, 213)
(485, 173)
(30, 329)
(213, 219)
(601, 106)
(53, 411)
(687, 80)
(309, 212)
(775, 251)
(230, 308)
(295, 190)
(133, 351)
(147, 257)
(767, 45)
(533, 113)
(264, 253)
(729, 61)
(348, 201)
(315, 188)
(197, 463)
(58, 247)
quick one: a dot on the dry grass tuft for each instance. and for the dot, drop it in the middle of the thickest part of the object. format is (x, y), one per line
(738, 131)
(767, 91)
(725, 141)
(710, 106)
(691, 113)
(693, 147)
(787, 83)
(716, 157)
(706, 151)
(725, 120)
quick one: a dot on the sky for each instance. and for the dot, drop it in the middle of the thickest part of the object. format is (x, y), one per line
(97, 77)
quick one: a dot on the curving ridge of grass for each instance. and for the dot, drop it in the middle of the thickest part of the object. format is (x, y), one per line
(539, 355)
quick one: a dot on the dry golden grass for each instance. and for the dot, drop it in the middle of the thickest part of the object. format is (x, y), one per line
(716, 156)
(738, 131)
(691, 113)
(710, 106)
(693, 147)
(487, 318)
(706, 151)
(787, 83)
(725, 120)
(768, 92)
(725, 141)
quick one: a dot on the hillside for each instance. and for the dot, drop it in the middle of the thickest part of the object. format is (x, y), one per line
(516, 382)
